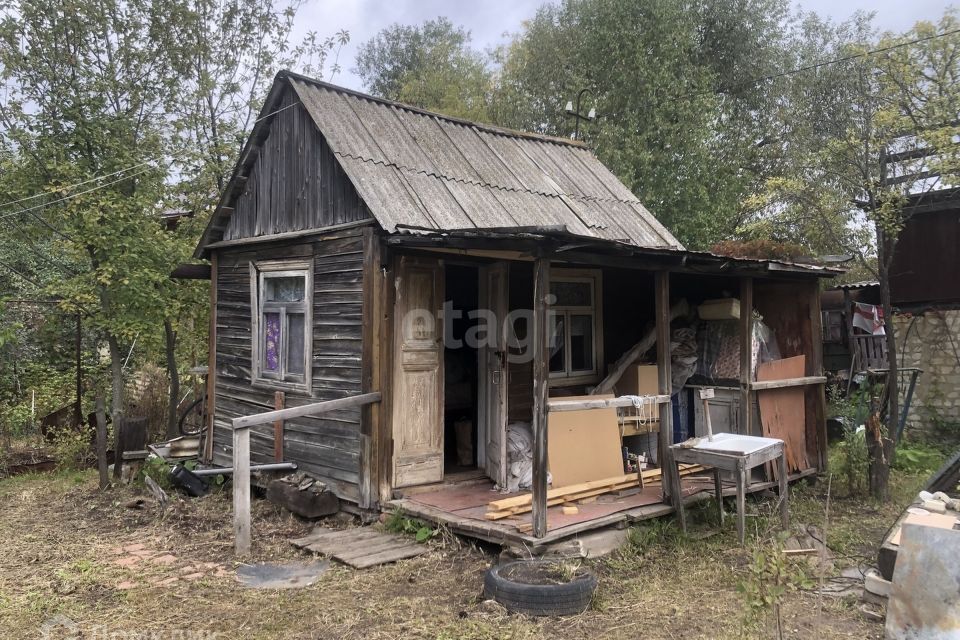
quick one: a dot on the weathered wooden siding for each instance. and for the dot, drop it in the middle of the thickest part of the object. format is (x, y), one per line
(295, 182)
(327, 447)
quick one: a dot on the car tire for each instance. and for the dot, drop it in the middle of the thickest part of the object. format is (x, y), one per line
(563, 599)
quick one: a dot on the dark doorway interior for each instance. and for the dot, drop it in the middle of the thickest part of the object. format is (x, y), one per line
(460, 369)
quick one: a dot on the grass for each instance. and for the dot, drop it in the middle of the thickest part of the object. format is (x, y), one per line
(61, 536)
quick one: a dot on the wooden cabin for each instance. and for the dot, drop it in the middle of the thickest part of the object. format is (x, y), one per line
(467, 274)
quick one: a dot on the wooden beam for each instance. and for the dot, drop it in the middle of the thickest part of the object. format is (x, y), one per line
(387, 299)
(787, 382)
(602, 403)
(241, 491)
(371, 335)
(541, 349)
(664, 385)
(606, 385)
(289, 235)
(241, 455)
(312, 409)
(211, 360)
(815, 368)
(746, 355)
(278, 400)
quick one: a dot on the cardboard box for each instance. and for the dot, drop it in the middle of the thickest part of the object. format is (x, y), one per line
(638, 380)
(719, 309)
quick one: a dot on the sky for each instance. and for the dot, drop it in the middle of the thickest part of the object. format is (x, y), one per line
(489, 20)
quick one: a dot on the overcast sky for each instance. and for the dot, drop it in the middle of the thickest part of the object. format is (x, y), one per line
(489, 20)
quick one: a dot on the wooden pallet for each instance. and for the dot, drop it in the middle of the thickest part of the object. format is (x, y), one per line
(507, 507)
(361, 547)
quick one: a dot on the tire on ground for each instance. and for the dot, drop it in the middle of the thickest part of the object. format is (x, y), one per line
(563, 599)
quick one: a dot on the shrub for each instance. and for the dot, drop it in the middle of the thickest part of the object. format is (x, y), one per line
(71, 448)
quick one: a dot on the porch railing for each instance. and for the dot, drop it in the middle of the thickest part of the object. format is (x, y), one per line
(241, 455)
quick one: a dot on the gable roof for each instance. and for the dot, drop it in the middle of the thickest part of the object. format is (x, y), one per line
(422, 171)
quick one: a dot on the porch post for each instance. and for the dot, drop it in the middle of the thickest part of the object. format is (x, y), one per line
(662, 295)
(746, 355)
(540, 334)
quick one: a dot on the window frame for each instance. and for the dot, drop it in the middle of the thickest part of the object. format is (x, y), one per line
(260, 272)
(569, 376)
(829, 319)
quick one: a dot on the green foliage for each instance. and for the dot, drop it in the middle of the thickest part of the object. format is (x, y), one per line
(833, 191)
(158, 469)
(678, 118)
(398, 522)
(918, 459)
(71, 448)
(852, 460)
(770, 576)
(430, 65)
(113, 112)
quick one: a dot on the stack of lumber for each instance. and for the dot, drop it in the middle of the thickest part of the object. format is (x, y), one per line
(507, 507)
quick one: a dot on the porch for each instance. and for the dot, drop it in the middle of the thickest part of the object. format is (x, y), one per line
(629, 304)
(461, 506)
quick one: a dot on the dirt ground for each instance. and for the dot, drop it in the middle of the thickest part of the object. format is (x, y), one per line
(84, 558)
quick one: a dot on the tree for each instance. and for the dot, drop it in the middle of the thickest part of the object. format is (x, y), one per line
(430, 66)
(114, 111)
(678, 119)
(890, 143)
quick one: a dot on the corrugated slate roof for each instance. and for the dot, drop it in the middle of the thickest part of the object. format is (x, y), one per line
(416, 169)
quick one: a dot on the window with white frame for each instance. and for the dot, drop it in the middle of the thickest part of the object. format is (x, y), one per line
(281, 322)
(576, 331)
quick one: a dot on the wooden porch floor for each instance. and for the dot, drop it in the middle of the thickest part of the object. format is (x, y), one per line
(462, 509)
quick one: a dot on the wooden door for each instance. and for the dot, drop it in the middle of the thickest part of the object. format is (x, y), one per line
(494, 297)
(417, 414)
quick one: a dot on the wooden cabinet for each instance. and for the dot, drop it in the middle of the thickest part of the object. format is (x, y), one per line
(725, 413)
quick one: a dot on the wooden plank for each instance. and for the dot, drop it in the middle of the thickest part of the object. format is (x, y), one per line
(370, 372)
(782, 411)
(241, 491)
(278, 399)
(803, 381)
(389, 556)
(318, 535)
(746, 355)
(360, 548)
(663, 318)
(315, 408)
(816, 368)
(506, 503)
(616, 371)
(594, 402)
(385, 355)
(329, 542)
(289, 235)
(370, 548)
(507, 507)
(212, 357)
(540, 334)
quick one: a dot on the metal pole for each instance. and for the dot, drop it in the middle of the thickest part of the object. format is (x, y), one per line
(224, 471)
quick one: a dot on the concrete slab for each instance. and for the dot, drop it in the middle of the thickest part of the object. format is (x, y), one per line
(292, 575)
(925, 596)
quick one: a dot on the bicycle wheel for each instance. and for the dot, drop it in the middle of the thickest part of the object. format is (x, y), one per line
(192, 420)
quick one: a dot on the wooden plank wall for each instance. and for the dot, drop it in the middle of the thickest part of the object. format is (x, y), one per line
(328, 447)
(295, 183)
(788, 308)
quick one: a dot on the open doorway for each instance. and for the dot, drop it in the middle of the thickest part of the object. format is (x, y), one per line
(461, 379)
